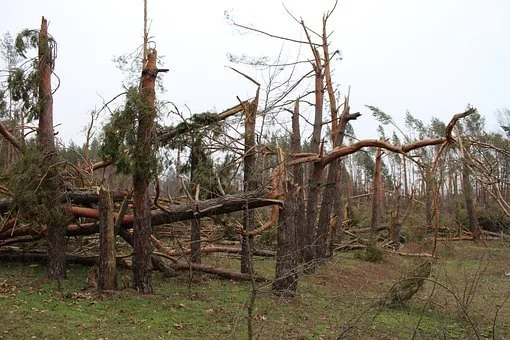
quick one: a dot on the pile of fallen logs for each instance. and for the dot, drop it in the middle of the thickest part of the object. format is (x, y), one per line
(82, 206)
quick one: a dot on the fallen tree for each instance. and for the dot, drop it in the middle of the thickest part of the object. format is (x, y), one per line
(174, 213)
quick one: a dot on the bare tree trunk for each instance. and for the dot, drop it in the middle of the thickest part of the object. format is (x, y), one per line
(297, 173)
(195, 222)
(376, 195)
(142, 229)
(468, 196)
(196, 255)
(286, 277)
(107, 260)
(316, 169)
(249, 182)
(51, 183)
(429, 195)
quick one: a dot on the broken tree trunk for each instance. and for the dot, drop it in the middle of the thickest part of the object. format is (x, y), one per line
(299, 218)
(286, 277)
(315, 175)
(107, 261)
(249, 181)
(51, 185)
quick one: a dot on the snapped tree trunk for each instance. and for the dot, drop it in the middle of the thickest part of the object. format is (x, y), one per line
(51, 186)
(315, 168)
(250, 183)
(299, 217)
(142, 229)
(107, 260)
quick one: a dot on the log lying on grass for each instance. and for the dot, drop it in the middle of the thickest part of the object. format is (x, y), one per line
(40, 256)
(217, 249)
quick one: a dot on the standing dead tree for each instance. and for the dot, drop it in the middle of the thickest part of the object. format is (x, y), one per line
(52, 185)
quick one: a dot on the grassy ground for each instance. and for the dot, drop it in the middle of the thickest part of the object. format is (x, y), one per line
(465, 298)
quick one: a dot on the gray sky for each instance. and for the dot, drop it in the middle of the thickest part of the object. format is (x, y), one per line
(429, 57)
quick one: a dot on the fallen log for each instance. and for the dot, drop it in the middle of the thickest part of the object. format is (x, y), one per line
(217, 249)
(222, 205)
(77, 197)
(198, 209)
(180, 265)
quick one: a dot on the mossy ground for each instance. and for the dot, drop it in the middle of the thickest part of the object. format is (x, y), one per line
(337, 301)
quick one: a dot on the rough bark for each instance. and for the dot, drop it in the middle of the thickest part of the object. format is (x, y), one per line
(142, 229)
(249, 181)
(299, 217)
(107, 261)
(45, 137)
(286, 277)
(376, 196)
(429, 196)
(195, 222)
(157, 262)
(331, 195)
(315, 176)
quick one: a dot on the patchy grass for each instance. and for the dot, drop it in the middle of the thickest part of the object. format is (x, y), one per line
(464, 298)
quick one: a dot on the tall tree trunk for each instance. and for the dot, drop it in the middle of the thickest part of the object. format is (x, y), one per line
(286, 277)
(299, 216)
(376, 196)
(429, 195)
(249, 182)
(51, 184)
(316, 169)
(107, 260)
(467, 190)
(142, 229)
(195, 222)
(331, 195)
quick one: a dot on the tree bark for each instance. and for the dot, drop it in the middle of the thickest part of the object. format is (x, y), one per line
(299, 217)
(376, 196)
(315, 176)
(107, 260)
(51, 183)
(429, 195)
(142, 229)
(249, 182)
(195, 222)
(286, 277)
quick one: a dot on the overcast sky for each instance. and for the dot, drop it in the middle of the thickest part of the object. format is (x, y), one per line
(429, 57)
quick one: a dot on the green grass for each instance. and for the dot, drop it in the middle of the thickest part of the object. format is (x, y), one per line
(338, 300)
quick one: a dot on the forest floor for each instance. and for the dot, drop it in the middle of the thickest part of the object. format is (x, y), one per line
(465, 297)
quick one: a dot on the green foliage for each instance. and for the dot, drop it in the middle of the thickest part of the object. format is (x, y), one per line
(120, 138)
(380, 116)
(416, 124)
(23, 87)
(26, 40)
(34, 186)
(437, 128)
(372, 254)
